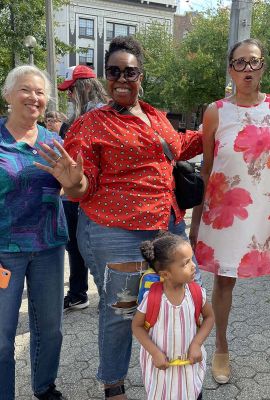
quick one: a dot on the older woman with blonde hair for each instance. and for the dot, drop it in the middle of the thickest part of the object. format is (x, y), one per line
(32, 235)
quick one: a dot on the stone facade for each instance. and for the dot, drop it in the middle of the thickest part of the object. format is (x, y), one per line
(92, 24)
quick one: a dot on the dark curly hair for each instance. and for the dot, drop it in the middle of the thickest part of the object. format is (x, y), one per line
(128, 44)
(160, 251)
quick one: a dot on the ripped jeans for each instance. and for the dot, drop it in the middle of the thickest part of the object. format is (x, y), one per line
(101, 246)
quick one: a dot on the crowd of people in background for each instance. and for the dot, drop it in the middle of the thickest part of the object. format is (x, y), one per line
(98, 184)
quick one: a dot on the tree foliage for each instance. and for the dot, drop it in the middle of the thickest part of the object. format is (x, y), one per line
(260, 30)
(20, 18)
(186, 75)
(203, 60)
(179, 75)
(160, 52)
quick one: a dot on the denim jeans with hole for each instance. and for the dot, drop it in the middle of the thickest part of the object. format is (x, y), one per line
(99, 247)
(44, 273)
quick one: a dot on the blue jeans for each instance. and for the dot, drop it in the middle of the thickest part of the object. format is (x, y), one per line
(78, 278)
(99, 247)
(44, 272)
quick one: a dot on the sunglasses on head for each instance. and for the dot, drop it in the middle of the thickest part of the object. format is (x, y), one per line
(240, 64)
(131, 74)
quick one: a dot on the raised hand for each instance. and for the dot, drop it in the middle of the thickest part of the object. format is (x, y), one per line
(67, 171)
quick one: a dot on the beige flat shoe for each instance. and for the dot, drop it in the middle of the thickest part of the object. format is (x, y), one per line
(221, 369)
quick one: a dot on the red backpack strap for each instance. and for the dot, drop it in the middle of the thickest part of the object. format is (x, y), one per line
(196, 293)
(153, 304)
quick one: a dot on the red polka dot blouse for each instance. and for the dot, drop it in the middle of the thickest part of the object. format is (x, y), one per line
(130, 178)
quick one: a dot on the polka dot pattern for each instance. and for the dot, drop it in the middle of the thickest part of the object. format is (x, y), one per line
(131, 184)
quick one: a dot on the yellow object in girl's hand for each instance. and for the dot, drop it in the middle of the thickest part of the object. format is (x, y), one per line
(179, 362)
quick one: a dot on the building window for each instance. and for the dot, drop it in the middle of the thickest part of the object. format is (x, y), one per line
(113, 30)
(86, 28)
(86, 56)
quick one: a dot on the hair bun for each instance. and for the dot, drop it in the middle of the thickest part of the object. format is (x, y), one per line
(147, 250)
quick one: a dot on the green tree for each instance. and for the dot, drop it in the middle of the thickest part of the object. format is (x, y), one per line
(160, 51)
(179, 76)
(203, 60)
(260, 30)
(20, 18)
(185, 76)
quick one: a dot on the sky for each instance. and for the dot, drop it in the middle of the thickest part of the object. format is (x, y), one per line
(200, 5)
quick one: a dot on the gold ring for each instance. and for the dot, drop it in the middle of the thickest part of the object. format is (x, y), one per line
(57, 159)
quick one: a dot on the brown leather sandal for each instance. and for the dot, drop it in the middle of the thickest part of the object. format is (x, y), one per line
(114, 391)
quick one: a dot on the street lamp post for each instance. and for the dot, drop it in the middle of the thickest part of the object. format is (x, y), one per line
(30, 42)
(51, 61)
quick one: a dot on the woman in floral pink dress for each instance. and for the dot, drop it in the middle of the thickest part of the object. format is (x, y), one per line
(234, 234)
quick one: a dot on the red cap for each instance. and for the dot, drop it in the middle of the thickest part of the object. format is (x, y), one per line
(74, 73)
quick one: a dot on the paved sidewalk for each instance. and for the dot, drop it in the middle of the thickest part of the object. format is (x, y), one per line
(249, 336)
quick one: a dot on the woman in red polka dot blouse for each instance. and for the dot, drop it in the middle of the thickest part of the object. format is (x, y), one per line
(123, 181)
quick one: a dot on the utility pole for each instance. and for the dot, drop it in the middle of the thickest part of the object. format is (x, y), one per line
(51, 62)
(240, 25)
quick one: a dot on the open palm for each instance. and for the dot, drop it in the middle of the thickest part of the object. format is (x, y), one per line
(67, 171)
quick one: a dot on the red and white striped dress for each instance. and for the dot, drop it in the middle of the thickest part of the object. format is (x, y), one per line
(173, 333)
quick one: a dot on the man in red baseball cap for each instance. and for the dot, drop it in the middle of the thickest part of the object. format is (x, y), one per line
(75, 73)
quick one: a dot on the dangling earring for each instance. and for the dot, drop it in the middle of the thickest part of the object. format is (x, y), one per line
(141, 91)
(9, 108)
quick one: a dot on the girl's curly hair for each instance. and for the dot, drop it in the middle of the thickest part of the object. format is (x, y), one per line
(160, 251)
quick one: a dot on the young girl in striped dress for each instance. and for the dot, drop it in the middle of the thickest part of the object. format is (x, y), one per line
(175, 334)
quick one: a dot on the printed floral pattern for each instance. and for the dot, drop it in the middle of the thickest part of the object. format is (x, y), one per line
(205, 256)
(256, 261)
(223, 202)
(234, 234)
(254, 142)
(217, 143)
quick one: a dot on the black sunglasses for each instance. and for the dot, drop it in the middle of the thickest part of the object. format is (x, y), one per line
(240, 64)
(131, 74)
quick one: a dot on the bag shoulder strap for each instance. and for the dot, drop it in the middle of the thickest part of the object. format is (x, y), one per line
(125, 111)
(120, 109)
(196, 293)
(153, 304)
(166, 148)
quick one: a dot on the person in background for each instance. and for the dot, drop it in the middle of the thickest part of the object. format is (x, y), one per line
(175, 334)
(114, 165)
(33, 235)
(234, 230)
(53, 120)
(86, 93)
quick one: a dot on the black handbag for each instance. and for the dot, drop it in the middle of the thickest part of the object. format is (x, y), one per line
(189, 185)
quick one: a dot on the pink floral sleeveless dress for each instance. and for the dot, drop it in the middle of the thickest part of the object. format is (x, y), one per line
(234, 234)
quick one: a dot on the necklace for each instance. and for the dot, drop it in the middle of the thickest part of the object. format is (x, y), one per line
(122, 109)
(246, 114)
